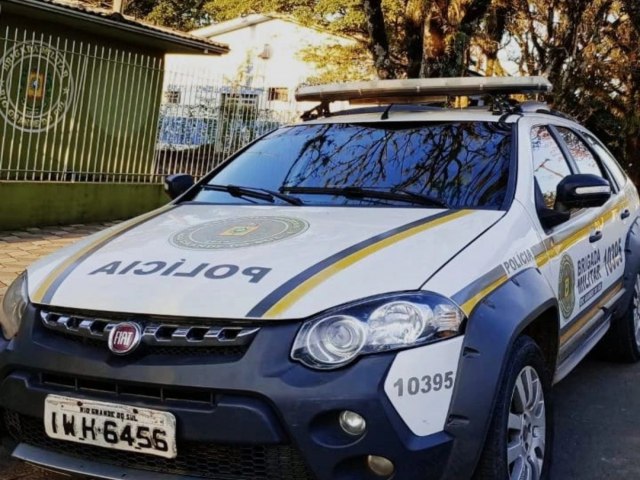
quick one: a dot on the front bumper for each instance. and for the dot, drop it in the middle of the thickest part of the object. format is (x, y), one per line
(258, 416)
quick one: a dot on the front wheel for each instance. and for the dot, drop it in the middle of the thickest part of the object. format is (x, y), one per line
(518, 444)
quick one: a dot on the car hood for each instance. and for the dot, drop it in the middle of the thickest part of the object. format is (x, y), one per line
(237, 262)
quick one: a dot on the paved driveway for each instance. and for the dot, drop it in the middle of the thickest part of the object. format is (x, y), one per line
(597, 406)
(17, 250)
(21, 248)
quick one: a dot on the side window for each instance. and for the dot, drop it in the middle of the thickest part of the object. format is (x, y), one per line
(549, 164)
(610, 162)
(585, 161)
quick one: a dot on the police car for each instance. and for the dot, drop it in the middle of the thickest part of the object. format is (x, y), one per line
(381, 292)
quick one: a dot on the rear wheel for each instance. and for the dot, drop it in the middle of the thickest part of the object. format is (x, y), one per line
(622, 342)
(518, 444)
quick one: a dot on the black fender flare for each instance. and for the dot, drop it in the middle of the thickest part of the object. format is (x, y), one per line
(492, 328)
(631, 267)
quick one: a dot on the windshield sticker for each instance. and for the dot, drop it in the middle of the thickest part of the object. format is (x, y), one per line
(238, 233)
(566, 282)
(181, 269)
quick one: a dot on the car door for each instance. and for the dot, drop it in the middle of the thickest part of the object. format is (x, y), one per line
(573, 264)
(609, 234)
(625, 190)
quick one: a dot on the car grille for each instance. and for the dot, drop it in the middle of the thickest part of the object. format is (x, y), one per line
(126, 391)
(211, 461)
(157, 338)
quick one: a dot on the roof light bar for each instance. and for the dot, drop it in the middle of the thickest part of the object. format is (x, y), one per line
(386, 90)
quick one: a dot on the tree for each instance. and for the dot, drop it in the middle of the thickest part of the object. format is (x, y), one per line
(590, 49)
(338, 63)
(378, 42)
(434, 36)
(631, 109)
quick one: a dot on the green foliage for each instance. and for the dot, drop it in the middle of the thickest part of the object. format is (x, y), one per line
(338, 16)
(338, 63)
(179, 14)
(589, 48)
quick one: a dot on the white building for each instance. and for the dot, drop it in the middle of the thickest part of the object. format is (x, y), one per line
(265, 53)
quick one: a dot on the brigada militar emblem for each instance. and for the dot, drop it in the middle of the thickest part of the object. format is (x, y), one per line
(566, 286)
(238, 233)
(36, 86)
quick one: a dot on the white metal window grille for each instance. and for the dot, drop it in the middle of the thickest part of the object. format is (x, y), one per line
(213, 118)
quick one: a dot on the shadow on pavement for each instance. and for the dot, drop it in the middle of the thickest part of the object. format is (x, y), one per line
(598, 423)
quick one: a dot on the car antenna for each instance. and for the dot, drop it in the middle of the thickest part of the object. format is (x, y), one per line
(385, 114)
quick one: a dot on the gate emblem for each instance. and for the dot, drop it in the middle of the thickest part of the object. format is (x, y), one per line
(36, 86)
(125, 338)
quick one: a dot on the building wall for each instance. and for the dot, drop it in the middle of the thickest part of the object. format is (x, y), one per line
(285, 68)
(37, 204)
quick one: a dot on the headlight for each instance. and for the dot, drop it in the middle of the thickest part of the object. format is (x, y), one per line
(14, 306)
(376, 325)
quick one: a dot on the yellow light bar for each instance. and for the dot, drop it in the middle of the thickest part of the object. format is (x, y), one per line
(385, 90)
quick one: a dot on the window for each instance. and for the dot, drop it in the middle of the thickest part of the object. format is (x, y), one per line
(467, 165)
(612, 165)
(280, 94)
(172, 96)
(549, 164)
(234, 101)
(585, 161)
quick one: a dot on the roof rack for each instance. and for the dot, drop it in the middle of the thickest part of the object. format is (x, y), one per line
(421, 89)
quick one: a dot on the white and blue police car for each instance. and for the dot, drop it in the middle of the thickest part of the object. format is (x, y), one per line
(383, 292)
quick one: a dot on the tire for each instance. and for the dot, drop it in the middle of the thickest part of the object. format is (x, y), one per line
(622, 341)
(527, 432)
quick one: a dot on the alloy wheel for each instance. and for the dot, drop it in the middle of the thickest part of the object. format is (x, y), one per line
(526, 430)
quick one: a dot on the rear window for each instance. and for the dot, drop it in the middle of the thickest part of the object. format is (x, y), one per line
(464, 164)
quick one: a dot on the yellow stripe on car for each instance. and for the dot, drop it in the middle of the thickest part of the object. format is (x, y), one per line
(554, 251)
(571, 240)
(469, 305)
(100, 240)
(305, 287)
(584, 319)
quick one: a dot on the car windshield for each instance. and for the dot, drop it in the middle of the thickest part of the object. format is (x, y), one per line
(458, 165)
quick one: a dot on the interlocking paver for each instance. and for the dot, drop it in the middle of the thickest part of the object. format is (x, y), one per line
(11, 239)
(28, 247)
(18, 249)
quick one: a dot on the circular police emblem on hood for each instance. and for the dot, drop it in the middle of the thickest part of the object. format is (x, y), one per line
(566, 290)
(238, 232)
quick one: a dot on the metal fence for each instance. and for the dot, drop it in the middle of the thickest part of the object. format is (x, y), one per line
(76, 111)
(203, 120)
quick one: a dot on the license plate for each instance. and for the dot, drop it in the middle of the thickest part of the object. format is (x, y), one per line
(110, 425)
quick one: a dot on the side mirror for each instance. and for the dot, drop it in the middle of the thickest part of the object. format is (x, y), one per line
(176, 185)
(583, 191)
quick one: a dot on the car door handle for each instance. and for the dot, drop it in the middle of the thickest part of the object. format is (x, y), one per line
(625, 214)
(596, 236)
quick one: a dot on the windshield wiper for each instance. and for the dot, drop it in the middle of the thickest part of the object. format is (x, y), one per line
(253, 192)
(358, 192)
(423, 197)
